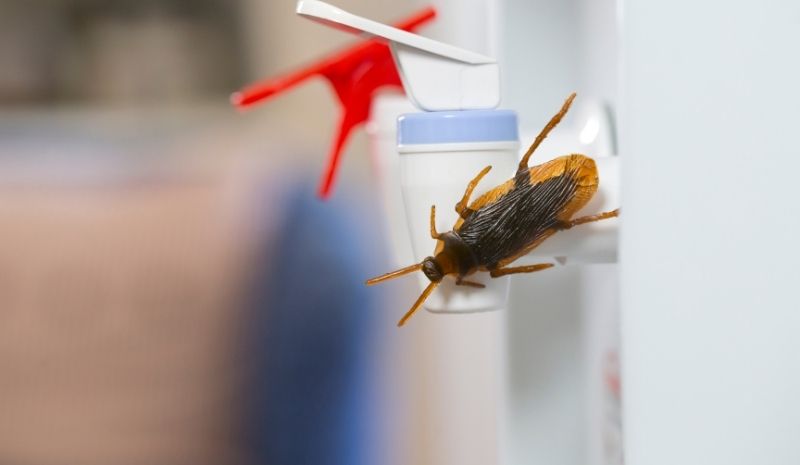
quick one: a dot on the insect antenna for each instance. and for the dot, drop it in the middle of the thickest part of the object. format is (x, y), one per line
(523, 164)
(420, 300)
(394, 274)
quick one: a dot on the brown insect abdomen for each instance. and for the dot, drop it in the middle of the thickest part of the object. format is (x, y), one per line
(515, 217)
(584, 173)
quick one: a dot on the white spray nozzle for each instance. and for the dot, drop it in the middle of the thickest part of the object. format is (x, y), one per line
(436, 76)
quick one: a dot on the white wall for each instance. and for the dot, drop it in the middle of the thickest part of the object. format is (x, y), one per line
(711, 319)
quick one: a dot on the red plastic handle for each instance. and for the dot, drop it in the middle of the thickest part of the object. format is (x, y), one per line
(355, 74)
(263, 90)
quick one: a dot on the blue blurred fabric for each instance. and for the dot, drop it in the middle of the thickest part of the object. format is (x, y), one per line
(308, 393)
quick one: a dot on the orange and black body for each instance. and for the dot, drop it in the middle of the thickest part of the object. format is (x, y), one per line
(513, 218)
(510, 220)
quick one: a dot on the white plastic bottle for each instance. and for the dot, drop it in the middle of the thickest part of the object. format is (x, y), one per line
(440, 153)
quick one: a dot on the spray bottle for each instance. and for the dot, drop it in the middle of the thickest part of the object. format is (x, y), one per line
(459, 132)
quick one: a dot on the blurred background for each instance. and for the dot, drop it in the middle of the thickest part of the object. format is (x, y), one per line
(166, 295)
(172, 291)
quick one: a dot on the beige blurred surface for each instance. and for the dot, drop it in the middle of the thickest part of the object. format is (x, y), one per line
(119, 300)
(120, 309)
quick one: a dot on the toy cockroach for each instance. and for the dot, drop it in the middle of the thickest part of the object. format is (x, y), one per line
(510, 220)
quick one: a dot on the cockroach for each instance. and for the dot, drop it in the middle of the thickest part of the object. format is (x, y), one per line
(510, 220)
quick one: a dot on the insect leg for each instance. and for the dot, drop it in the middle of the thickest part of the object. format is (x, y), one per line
(462, 206)
(589, 219)
(394, 274)
(496, 273)
(418, 303)
(462, 282)
(523, 164)
(434, 234)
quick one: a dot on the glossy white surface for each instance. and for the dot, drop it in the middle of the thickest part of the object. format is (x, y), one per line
(437, 83)
(437, 76)
(330, 15)
(439, 178)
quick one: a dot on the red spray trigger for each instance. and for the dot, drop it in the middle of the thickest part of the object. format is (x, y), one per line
(355, 75)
